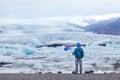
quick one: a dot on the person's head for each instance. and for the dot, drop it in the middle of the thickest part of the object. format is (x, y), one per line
(78, 45)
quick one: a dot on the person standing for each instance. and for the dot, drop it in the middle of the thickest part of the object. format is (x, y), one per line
(79, 54)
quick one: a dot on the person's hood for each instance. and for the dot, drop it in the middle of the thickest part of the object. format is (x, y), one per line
(78, 45)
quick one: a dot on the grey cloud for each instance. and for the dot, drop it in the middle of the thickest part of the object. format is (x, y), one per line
(47, 8)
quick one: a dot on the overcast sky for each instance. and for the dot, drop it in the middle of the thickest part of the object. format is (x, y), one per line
(54, 8)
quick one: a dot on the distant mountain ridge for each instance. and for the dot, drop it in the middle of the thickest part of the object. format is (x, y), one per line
(110, 27)
(101, 24)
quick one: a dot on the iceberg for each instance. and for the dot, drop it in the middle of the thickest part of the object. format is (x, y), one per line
(28, 51)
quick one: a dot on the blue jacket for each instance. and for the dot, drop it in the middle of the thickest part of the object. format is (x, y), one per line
(78, 46)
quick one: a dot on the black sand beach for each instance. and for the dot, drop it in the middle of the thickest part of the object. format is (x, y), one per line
(50, 76)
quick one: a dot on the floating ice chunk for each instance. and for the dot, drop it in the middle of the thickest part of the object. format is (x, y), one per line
(6, 52)
(9, 52)
(28, 50)
(9, 59)
(35, 42)
(1, 46)
(38, 65)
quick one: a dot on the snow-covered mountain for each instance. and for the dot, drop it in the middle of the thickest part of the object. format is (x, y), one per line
(19, 41)
(110, 27)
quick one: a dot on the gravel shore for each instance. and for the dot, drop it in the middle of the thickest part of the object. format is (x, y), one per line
(50, 76)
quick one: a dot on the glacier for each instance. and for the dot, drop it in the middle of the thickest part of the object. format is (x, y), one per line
(18, 39)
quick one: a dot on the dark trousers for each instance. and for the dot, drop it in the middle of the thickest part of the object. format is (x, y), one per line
(78, 62)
